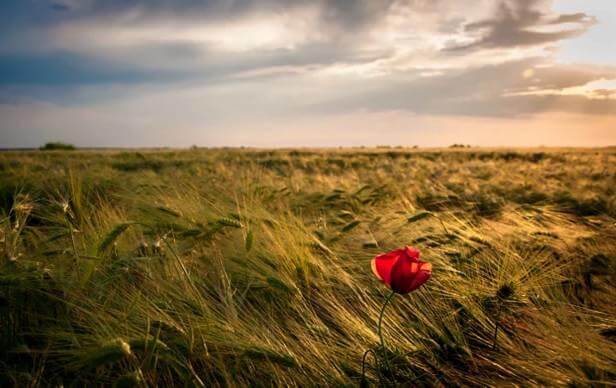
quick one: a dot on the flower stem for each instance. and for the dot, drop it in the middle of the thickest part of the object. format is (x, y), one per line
(380, 331)
(377, 355)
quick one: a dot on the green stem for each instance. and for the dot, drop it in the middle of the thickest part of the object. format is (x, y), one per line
(374, 353)
(389, 297)
(380, 326)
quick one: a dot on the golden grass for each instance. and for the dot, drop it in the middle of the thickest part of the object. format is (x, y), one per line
(252, 267)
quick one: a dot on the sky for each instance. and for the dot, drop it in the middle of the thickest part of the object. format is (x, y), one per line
(292, 73)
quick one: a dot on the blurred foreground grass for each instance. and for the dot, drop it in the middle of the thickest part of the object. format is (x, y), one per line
(251, 267)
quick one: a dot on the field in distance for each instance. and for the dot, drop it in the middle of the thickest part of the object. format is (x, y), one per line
(240, 267)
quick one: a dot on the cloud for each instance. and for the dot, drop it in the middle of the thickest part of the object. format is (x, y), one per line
(522, 23)
(67, 69)
(202, 65)
(494, 90)
(191, 36)
(601, 89)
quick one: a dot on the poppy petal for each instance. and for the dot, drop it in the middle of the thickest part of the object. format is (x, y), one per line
(408, 275)
(383, 264)
(422, 275)
(375, 270)
(402, 275)
(412, 252)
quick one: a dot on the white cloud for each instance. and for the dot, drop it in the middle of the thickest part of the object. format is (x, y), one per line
(594, 90)
(268, 31)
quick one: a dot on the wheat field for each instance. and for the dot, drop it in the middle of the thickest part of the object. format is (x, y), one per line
(248, 267)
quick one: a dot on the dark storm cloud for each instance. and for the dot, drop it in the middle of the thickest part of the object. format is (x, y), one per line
(518, 23)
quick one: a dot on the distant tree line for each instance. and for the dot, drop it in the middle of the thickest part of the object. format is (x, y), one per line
(56, 145)
(460, 146)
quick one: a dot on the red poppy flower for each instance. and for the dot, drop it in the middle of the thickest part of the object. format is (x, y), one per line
(402, 270)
